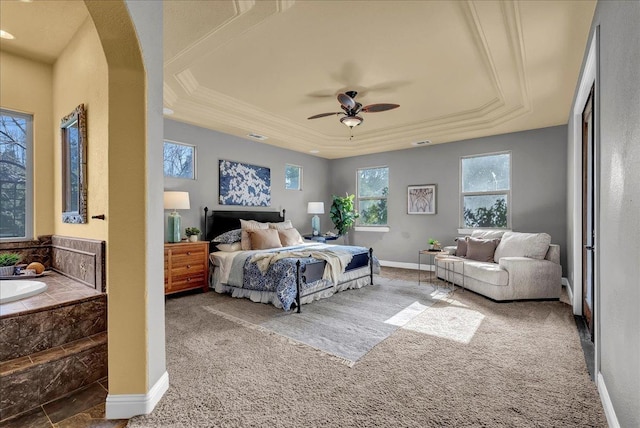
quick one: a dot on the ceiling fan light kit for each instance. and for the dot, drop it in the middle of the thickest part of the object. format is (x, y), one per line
(352, 108)
(352, 121)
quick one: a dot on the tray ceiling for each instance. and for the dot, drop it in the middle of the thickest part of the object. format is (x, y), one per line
(458, 69)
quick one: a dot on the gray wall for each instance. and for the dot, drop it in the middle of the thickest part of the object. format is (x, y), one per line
(619, 224)
(212, 146)
(538, 163)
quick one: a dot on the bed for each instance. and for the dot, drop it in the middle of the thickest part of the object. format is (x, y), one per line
(286, 277)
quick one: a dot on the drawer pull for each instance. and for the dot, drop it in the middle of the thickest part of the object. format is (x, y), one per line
(188, 253)
(188, 279)
(188, 266)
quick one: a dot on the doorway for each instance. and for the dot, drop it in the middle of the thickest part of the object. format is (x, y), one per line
(588, 230)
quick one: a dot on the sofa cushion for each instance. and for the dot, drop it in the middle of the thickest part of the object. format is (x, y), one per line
(461, 249)
(481, 249)
(490, 273)
(517, 244)
(487, 234)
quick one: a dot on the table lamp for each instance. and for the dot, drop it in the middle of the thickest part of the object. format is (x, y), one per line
(175, 201)
(315, 208)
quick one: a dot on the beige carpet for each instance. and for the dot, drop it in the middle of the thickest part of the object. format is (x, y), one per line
(465, 361)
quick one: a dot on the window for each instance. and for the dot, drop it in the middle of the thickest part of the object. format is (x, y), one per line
(179, 160)
(486, 190)
(16, 182)
(292, 177)
(373, 190)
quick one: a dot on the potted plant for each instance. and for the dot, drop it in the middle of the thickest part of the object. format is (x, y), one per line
(434, 244)
(192, 233)
(343, 214)
(8, 263)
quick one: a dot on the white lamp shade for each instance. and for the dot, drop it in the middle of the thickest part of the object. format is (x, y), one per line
(315, 208)
(176, 200)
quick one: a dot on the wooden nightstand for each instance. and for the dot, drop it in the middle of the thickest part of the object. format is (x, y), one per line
(186, 266)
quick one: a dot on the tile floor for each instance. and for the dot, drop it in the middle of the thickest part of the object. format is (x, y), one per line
(84, 408)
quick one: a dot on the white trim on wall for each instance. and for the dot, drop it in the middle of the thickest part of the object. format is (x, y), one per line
(607, 405)
(125, 406)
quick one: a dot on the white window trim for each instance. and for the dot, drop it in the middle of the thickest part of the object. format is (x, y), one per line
(28, 205)
(300, 178)
(364, 228)
(501, 192)
(195, 160)
(372, 228)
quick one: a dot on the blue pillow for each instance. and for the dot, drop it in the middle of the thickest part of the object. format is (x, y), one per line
(229, 237)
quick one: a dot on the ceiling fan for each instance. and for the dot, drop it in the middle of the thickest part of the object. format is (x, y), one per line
(352, 108)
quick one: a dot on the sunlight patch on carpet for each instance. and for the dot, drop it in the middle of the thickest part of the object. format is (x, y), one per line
(407, 314)
(450, 322)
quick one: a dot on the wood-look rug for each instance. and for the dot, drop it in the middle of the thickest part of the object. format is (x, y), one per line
(464, 362)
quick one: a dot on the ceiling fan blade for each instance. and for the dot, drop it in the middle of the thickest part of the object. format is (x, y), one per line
(324, 115)
(346, 101)
(374, 108)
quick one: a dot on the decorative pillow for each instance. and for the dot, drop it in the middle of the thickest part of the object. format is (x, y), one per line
(481, 250)
(516, 244)
(236, 246)
(229, 237)
(487, 234)
(263, 239)
(282, 225)
(290, 237)
(249, 225)
(461, 250)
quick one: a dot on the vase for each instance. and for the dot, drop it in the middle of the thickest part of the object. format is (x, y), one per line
(193, 238)
(6, 270)
(346, 237)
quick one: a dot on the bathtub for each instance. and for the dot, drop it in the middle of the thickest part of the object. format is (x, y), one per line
(12, 290)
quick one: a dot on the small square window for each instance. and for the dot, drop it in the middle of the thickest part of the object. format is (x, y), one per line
(179, 160)
(293, 177)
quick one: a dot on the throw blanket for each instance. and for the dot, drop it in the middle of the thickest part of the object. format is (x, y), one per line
(337, 261)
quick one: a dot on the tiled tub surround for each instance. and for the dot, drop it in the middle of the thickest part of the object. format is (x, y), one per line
(77, 258)
(36, 250)
(51, 344)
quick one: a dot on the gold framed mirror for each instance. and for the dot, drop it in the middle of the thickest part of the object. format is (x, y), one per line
(74, 166)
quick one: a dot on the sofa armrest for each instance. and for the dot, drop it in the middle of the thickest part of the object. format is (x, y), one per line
(532, 278)
(553, 253)
(451, 249)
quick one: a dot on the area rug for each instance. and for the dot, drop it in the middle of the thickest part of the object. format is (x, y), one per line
(520, 366)
(346, 325)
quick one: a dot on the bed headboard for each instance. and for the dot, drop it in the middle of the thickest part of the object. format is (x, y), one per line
(222, 221)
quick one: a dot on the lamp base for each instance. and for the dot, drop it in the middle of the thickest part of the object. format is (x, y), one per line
(315, 225)
(173, 227)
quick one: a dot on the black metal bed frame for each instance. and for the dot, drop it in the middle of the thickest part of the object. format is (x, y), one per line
(312, 270)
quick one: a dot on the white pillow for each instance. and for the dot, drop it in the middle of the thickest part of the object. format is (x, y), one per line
(236, 246)
(487, 234)
(516, 244)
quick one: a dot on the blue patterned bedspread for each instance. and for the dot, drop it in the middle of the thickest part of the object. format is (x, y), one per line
(280, 277)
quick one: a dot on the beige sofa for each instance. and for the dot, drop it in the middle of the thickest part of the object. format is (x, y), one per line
(524, 266)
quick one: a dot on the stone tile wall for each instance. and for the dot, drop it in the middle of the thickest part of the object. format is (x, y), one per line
(80, 259)
(37, 250)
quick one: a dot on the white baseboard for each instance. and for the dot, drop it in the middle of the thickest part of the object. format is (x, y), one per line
(609, 412)
(125, 406)
(403, 265)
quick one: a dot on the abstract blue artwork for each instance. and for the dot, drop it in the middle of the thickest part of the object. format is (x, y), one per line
(244, 184)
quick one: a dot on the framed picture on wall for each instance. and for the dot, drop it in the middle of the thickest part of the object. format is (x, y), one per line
(421, 199)
(244, 184)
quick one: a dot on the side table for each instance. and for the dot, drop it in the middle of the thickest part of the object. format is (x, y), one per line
(320, 238)
(450, 269)
(431, 255)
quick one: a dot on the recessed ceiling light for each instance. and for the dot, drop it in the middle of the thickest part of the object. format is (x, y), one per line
(257, 136)
(167, 110)
(421, 143)
(6, 35)
(314, 151)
